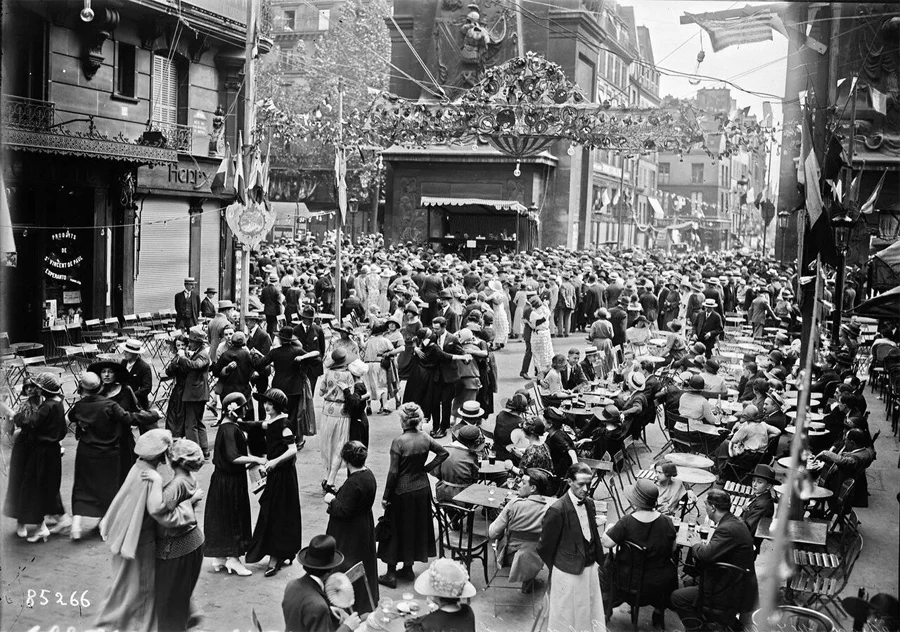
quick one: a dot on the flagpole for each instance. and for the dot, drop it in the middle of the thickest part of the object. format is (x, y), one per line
(842, 256)
(339, 220)
(249, 126)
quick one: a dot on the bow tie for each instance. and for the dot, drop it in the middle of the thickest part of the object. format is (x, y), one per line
(580, 502)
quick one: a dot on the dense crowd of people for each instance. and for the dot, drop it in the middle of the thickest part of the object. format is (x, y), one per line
(417, 332)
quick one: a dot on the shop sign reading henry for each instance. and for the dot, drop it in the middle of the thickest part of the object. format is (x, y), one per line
(187, 176)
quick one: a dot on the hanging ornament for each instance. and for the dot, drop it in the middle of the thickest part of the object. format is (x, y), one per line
(700, 57)
(518, 171)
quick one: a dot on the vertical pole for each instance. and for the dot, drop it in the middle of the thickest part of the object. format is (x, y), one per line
(621, 205)
(249, 128)
(842, 254)
(520, 30)
(339, 219)
(768, 194)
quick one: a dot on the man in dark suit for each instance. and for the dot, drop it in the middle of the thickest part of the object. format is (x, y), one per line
(272, 298)
(762, 505)
(587, 365)
(209, 306)
(312, 337)
(187, 305)
(593, 299)
(140, 376)
(431, 288)
(570, 547)
(731, 543)
(572, 376)
(305, 606)
(618, 318)
(196, 386)
(446, 312)
(533, 302)
(352, 305)
(708, 326)
(449, 374)
(258, 344)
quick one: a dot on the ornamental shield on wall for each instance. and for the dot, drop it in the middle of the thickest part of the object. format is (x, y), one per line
(250, 223)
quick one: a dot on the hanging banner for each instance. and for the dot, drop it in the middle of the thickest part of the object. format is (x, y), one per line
(251, 223)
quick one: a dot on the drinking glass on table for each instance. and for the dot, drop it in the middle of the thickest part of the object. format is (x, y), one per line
(386, 605)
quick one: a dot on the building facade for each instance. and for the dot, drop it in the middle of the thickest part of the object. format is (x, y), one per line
(113, 127)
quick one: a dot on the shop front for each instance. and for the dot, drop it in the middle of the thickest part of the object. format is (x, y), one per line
(180, 231)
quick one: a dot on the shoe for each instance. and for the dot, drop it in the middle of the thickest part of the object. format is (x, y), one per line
(524, 375)
(301, 445)
(21, 531)
(658, 619)
(75, 529)
(234, 566)
(62, 525)
(388, 579)
(41, 534)
(325, 483)
(218, 564)
(273, 570)
(406, 573)
(440, 434)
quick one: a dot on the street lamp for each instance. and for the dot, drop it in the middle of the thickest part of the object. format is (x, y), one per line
(743, 186)
(353, 207)
(781, 223)
(842, 225)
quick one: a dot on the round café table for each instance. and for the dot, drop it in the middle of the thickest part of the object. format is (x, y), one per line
(37, 369)
(696, 426)
(811, 416)
(694, 476)
(816, 493)
(727, 406)
(488, 469)
(734, 320)
(656, 360)
(785, 462)
(657, 342)
(812, 432)
(22, 348)
(685, 459)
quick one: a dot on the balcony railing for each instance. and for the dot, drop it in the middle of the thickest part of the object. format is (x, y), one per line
(177, 137)
(29, 114)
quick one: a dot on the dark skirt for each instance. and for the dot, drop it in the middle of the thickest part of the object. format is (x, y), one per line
(356, 540)
(175, 411)
(278, 531)
(96, 480)
(359, 429)
(37, 492)
(127, 457)
(175, 582)
(226, 523)
(17, 459)
(412, 529)
(423, 390)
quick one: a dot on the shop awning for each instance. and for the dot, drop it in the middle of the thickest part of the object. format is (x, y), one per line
(86, 145)
(658, 211)
(499, 205)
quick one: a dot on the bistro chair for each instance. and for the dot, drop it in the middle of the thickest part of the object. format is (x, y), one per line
(820, 586)
(627, 575)
(721, 587)
(461, 543)
(796, 618)
(500, 581)
(842, 506)
(356, 573)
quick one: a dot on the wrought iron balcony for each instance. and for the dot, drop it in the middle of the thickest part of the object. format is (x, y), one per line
(28, 114)
(174, 136)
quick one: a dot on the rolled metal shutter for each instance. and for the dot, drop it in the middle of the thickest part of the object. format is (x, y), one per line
(163, 261)
(210, 246)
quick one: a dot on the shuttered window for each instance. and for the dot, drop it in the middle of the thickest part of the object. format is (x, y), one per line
(165, 90)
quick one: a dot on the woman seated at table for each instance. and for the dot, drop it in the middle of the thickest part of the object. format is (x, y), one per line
(445, 582)
(647, 528)
(676, 345)
(694, 405)
(461, 468)
(671, 490)
(637, 336)
(507, 422)
(551, 385)
(712, 381)
(528, 443)
(749, 439)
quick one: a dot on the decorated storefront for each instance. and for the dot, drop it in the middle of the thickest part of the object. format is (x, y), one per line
(479, 225)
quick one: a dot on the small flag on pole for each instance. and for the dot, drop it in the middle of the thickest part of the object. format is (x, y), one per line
(239, 182)
(223, 174)
(869, 205)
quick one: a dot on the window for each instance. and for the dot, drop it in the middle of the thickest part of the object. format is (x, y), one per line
(126, 76)
(289, 20)
(165, 90)
(324, 19)
(697, 174)
(696, 199)
(663, 173)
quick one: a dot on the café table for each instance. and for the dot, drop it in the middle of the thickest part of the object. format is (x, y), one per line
(394, 617)
(816, 493)
(687, 537)
(656, 360)
(685, 459)
(798, 531)
(657, 342)
(484, 496)
(810, 415)
(695, 476)
(727, 406)
(709, 429)
(812, 432)
(490, 469)
(22, 348)
(732, 355)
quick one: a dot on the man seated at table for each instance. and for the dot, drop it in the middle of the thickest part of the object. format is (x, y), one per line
(572, 375)
(852, 462)
(730, 542)
(460, 469)
(695, 406)
(763, 503)
(773, 411)
(745, 386)
(827, 374)
(697, 350)
(518, 528)
(749, 440)
(712, 381)
(589, 364)
(670, 395)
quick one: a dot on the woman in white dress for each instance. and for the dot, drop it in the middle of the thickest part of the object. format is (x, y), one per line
(376, 379)
(498, 302)
(541, 343)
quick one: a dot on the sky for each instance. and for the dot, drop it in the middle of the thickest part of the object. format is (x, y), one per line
(760, 67)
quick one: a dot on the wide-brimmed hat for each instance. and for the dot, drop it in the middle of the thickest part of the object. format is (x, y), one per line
(765, 472)
(447, 294)
(445, 578)
(256, 316)
(286, 334)
(307, 312)
(121, 375)
(338, 360)
(710, 303)
(133, 346)
(711, 365)
(387, 273)
(471, 410)
(234, 398)
(643, 494)
(589, 351)
(321, 554)
(273, 278)
(274, 395)
(697, 286)
(776, 397)
(225, 304)
(153, 443)
(48, 383)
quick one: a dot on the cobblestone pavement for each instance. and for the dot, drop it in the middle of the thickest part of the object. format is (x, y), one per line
(67, 580)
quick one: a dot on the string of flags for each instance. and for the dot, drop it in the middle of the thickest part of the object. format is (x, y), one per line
(249, 185)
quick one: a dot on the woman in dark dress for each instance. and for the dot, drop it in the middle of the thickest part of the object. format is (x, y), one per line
(114, 378)
(25, 412)
(39, 467)
(655, 532)
(178, 372)
(422, 388)
(227, 519)
(407, 498)
(278, 528)
(445, 583)
(411, 326)
(508, 420)
(351, 523)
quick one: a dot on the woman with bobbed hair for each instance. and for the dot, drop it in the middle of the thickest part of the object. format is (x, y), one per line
(671, 489)
(407, 498)
(351, 523)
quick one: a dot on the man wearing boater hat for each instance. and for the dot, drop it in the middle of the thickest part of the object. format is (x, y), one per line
(305, 605)
(708, 326)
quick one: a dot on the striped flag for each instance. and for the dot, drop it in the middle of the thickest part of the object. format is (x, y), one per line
(239, 181)
(818, 238)
(869, 205)
(810, 165)
(223, 173)
(747, 29)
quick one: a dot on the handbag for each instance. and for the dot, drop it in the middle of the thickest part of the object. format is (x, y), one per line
(386, 362)
(383, 529)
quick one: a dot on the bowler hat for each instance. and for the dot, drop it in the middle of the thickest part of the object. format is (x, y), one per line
(211, 290)
(307, 312)
(321, 554)
(286, 334)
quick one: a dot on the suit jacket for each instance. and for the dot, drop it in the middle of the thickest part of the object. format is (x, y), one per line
(236, 380)
(271, 299)
(140, 379)
(593, 300)
(708, 327)
(313, 339)
(196, 384)
(214, 329)
(572, 376)
(305, 608)
(289, 376)
(207, 308)
(186, 311)
(449, 370)
(762, 506)
(732, 543)
(562, 542)
(618, 317)
(452, 319)
(431, 287)
(588, 370)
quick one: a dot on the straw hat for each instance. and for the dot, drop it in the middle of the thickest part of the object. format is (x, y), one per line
(153, 443)
(445, 578)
